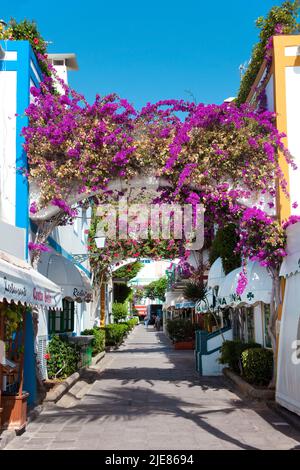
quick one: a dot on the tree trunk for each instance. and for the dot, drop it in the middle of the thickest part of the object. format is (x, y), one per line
(274, 306)
(43, 232)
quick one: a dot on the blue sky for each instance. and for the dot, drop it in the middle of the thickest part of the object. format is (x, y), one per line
(149, 50)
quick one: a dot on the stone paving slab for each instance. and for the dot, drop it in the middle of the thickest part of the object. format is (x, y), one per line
(149, 396)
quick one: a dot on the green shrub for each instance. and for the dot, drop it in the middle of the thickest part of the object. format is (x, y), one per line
(156, 289)
(129, 271)
(257, 365)
(114, 333)
(131, 323)
(231, 353)
(223, 246)
(98, 343)
(120, 311)
(181, 330)
(63, 358)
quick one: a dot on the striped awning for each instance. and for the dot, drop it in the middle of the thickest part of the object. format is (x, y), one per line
(19, 282)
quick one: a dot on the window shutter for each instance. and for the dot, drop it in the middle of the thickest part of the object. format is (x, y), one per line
(42, 349)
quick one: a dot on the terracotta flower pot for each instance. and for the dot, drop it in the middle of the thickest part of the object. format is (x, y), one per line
(184, 345)
(14, 413)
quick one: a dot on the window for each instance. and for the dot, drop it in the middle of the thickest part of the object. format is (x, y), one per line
(58, 62)
(62, 321)
(267, 339)
(250, 324)
(68, 315)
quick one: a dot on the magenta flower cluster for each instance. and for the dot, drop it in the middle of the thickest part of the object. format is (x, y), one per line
(38, 247)
(242, 283)
(217, 155)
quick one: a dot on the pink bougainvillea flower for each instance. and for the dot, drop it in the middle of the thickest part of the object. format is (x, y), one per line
(242, 283)
(38, 247)
(33, 208)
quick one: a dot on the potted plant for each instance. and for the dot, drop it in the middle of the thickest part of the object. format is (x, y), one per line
(14, 399)
(14, 414)
(182, 333)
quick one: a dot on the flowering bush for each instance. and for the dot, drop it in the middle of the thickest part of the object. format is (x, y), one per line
(215, 155)
(116, 250)
(129, 271)
(242, 282)
(63, 358)
(261, 238)
(26, 30)
(38, 247)
(280, 20)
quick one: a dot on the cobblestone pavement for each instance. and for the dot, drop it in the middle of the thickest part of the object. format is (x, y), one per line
(149, 397)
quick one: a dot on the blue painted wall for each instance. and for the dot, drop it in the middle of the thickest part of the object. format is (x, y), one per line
(29, 361)
(24, 71)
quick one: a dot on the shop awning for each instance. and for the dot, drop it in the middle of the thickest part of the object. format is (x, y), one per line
(75, 285)
(258, 289)
(216, 274)
(182, 302)
(291, 263)
(227, 295)
(185, 304)
(141, 309)
(19, 282)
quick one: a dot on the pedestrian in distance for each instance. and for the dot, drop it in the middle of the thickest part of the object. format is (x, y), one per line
(157, 323)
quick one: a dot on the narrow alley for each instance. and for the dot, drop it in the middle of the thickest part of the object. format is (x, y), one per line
(148, 396)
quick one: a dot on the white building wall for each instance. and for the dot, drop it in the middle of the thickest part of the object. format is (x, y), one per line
(43, 322)
(8, 109)
(62, 73)
(270, 94)
(292, 76)
(72, 237)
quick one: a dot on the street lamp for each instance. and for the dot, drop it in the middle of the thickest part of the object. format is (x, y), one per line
(100, 235)
(100, 241)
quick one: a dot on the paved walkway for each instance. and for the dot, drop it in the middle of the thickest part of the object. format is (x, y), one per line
(149, 397)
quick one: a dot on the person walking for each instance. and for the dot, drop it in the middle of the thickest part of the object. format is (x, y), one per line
(157, 322)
